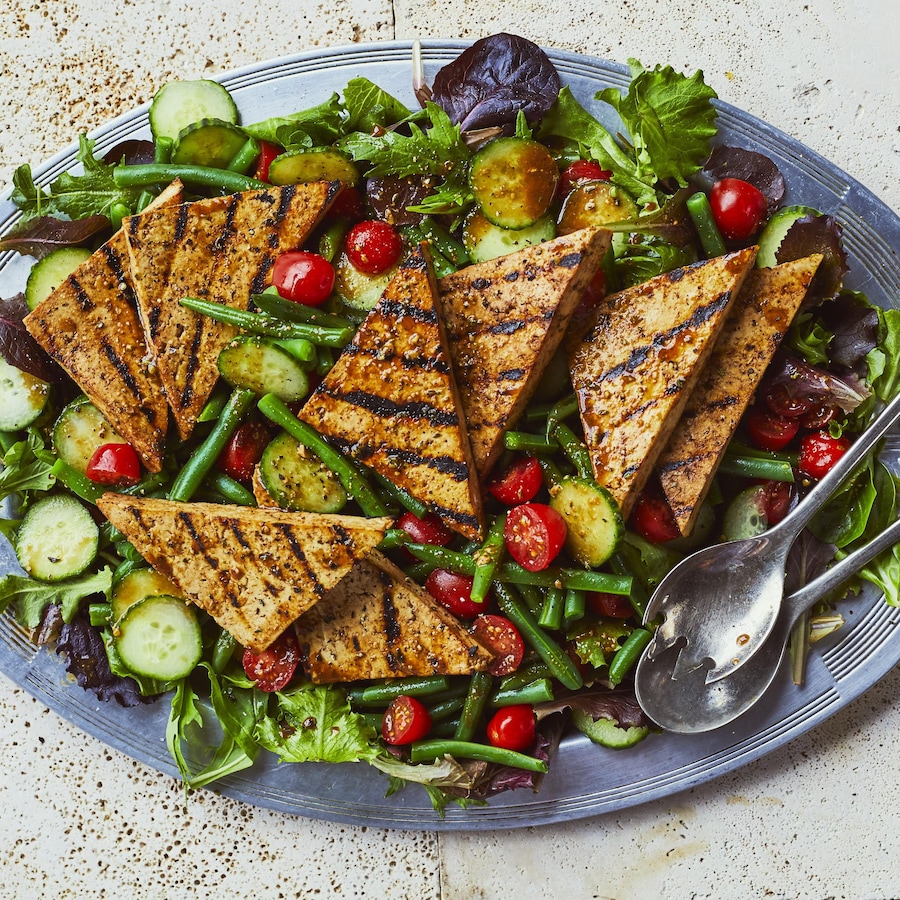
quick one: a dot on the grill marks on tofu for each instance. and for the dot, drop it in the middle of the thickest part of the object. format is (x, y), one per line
(391, 402)
(221, 250)
(761, 315)
(638, 361)
(377, 623)
(253, 570)
(90, 326)
(505, 319)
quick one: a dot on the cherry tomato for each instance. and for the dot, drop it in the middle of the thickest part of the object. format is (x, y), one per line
(777, 498)
(243, 451)
(273, 669)
(534, 535)
(579, 171)
(783, 403)
(405, 720)
(819, 452)
(652, 518)
(768, 430)
(303, 277)
(373, 246)
(818, 417)
(519, 483)
(454, 592)
(427, 530)
(502, 638)
(512, 727)
(114, 464)
(267, 152)
(613, 606)
(738, 207)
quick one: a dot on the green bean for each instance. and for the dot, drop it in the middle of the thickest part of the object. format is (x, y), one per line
(162, 149)
(419, 571)
(145, 198)
(536, 671)
(581, 579)
(442, 558)
(100, 614)
(445, 244)
(639, 595)
(346, 470)
(301, 349)
(262, 323)
(532, 597)
(537, 691)
(126, 567)
(627, 655)
(445, 709)
(561, 410)
(476, 700)
(223, 651)
(117, 212)
(245, 157)
(128, 551)
(445, 728)
(526, 442)
(332, 237)
(407, 501)
(552, 473)
(756, 467)
(575, 450)
(148, 483)
(382, 694)
(188, 480)
(486, 559)
(424, 751)
(214, 406)
(78, 484)
(325, 361)
(574, 606)
(557, 660)
(231, 490)
(273, 304)
(372, 719)
(195, 176)
(393, 538)
(551, 615)
(701, 213)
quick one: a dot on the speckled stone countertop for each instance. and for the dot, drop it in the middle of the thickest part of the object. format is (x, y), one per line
(814, 819)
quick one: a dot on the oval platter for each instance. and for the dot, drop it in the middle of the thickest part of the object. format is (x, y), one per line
(585, 780)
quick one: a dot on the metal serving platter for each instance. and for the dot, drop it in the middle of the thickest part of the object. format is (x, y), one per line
(585, 779)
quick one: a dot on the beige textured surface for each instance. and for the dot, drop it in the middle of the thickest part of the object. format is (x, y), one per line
(816, 819)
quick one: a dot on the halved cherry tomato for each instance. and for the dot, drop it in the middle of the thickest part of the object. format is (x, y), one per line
(579, 171)
(652, 518)
(243, 450)
(768, 430)
(267, 152)
(783, 403)
(613, 606)
(777, 498)
(303, 277)
(512, 727)
(405, 720)
(427, 530)
(818, 417)
(738, 207)
(373, 246)
(500, 636)
(534, 535)
(819, 452)
(114, 464)
(273, 669)
(454, 592)
(519, 483)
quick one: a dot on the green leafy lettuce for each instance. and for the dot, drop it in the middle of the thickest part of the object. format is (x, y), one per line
(23, 471)
(31, 598)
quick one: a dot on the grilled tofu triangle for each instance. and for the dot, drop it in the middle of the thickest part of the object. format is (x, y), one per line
(391, 401)
(253, 570)
(761, 315)
(377, 623)
(90, 326)
(219, 249)
(505, 319)
(636, 365)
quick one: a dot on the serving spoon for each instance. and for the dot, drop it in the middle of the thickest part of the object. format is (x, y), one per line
(689, 705)
(721, 603)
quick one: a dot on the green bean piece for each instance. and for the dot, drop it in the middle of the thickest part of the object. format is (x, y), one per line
(262, 323)
(441, 265)
(551, 615)
(582, 579)
(201, 461)
(383, 694)
(711, 239)
(194, 176)
(393, 538)
(475, 703)
(128, 551)
(557, 660)
(223, 651)
(100, 614)
(574, 605)
(532, 596)
(346, 470)
(231, 490)
(445, 244)
(150, 482)
(117, 212)
(425, 751)
(325, 361)
(487, 557)
(756, 467)
(551, 471)
(302, 350)
(162, 149)
(332, 238)
(419, 571)
(145, 198)
(446, 709)
(639, 595)
(125, 567)
(446, 728)
(407, 501)
(525, 442)
(537, 691)
(372, 719)
(627, 655)
(275, 305)
(442, 558)
(575, 450)
(563, 408)
(214, 406)
(524, 676)
(245, 157)
(78, 484)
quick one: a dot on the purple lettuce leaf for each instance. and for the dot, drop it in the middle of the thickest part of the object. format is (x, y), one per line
(817, 234)
(815, 384)
(19, 348)
(749, 166)
(40, 236)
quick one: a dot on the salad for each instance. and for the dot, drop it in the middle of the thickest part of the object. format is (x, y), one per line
(466, 177)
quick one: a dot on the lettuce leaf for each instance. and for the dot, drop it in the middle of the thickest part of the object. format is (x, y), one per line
(31, 598)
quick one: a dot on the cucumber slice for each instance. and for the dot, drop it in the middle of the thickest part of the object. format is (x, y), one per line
(50, 272)
(773, 234)
(514, 181)
(298, 482)
(608, 733)
(80, 429)
(593, 520)
(483, 240)
(137, 585)
(260, 365)
(593, 205)
(357, 289)
(304, 166)
(159, 637)
(209, 142)
(178, 104)
(57, 539)
(22, 397)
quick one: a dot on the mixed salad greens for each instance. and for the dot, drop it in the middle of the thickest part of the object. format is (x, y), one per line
(566, 647)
